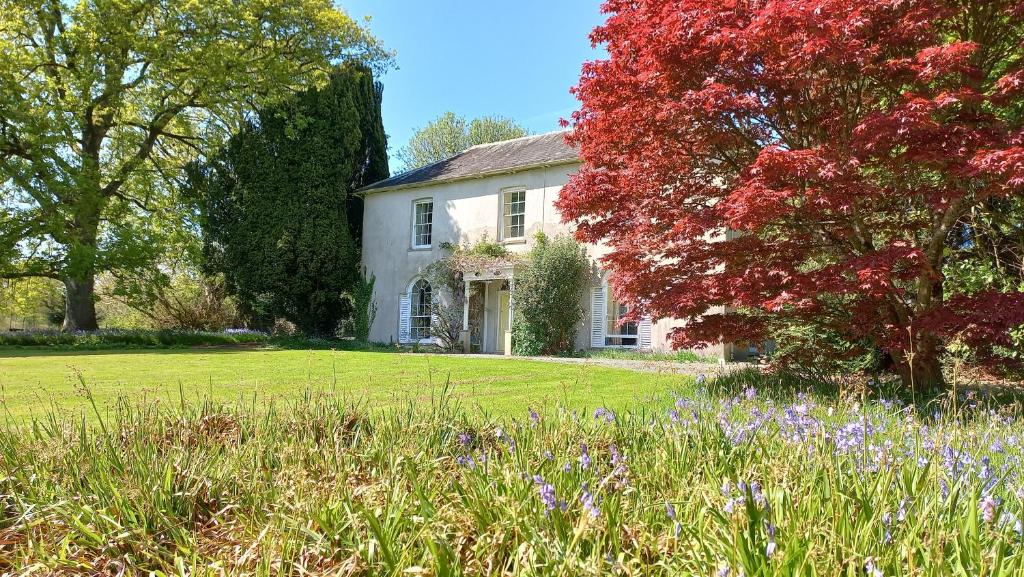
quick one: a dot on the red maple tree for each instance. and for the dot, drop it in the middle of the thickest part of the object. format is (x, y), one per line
(802, 160)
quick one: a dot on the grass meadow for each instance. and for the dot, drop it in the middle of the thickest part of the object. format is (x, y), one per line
(738, 475)
(41, 381)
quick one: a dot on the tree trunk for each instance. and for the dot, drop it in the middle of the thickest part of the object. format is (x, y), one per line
(925, 372)
(80, 309)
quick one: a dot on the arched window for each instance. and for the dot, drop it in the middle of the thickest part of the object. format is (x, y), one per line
(421, 300)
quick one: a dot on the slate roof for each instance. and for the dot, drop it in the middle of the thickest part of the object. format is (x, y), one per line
(486, 159)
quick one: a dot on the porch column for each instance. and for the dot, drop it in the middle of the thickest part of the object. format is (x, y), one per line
(464, 335)
(508, 333)
(511, 293)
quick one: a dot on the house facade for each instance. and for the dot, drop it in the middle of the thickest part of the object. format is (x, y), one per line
(502, 192)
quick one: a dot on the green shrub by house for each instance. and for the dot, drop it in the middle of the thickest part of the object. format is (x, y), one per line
(549, 288)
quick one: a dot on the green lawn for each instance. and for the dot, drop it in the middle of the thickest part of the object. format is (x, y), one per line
(33, 382)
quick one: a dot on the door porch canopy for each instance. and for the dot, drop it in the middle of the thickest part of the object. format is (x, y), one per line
(503, 271)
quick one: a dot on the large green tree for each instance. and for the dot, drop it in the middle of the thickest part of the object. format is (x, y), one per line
(103, 103)
(276, 208)
(450, 134)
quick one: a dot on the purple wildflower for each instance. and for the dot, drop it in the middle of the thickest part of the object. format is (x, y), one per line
(589, 503)
(547, 495)
(988, 508)
(616, 455)
(871, 569)
(584, 457)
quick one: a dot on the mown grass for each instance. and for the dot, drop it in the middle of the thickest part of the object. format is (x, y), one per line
(38, 381)
(734, 477)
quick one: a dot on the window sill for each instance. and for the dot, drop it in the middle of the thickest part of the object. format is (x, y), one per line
(520, 240)
(421, 249)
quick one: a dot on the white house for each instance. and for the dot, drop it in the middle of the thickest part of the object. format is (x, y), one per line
(503, 191)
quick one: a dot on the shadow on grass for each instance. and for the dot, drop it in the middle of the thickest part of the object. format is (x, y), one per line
(968, 401)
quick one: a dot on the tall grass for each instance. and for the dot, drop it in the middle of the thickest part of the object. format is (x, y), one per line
(727, 480)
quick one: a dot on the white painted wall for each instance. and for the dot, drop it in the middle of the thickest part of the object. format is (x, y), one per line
(465, 212)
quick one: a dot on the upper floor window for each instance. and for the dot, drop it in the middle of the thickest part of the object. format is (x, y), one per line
(422, 223)
(513, 213)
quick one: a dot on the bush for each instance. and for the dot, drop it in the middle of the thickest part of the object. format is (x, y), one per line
(115, 338)
(547, 295)
(364, 310)
(181, 300)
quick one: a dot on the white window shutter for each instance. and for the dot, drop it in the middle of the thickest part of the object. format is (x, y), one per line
(598, 298)
(435, 321)
(646, 328)
(404, 321)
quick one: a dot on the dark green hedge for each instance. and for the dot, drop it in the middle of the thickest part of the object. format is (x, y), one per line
(128, 339)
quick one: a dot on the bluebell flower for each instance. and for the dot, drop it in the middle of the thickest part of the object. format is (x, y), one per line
(589, 503)
(769, 549)
(533, 415)
(616, 455)
(871, 569)
(584, 457)
(988, 505)
(547, 495)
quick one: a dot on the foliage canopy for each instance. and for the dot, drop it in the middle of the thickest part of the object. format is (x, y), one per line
(103, 103)
(450, 134)
(857, 152)
(277, 208)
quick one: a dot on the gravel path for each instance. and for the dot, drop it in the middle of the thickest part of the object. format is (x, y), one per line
(649, 366)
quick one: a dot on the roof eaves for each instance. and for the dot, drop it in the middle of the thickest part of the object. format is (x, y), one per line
(366, 191)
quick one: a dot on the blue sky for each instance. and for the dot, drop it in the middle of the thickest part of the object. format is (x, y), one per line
(477, 57)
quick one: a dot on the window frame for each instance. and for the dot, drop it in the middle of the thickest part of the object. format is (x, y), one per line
(414, 335)
(430, 224)
(611, 323)
(502, 227)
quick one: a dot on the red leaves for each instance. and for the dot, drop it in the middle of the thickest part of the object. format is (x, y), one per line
(1007, 164)
(981, 320)
(934, 62)
(835, 140)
